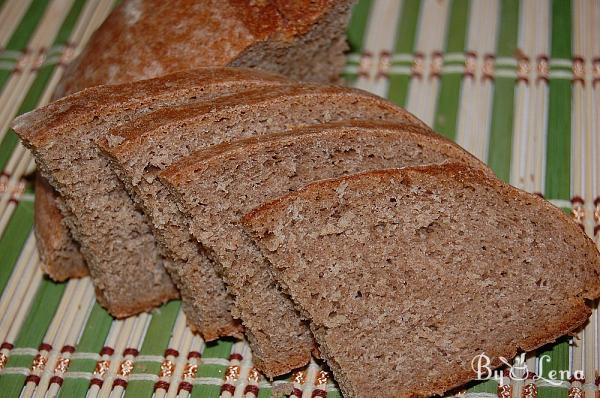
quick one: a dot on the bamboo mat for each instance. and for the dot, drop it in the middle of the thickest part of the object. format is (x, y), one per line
(513, 82)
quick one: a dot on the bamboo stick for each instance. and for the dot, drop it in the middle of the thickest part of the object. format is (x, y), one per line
(128, 362)
(191, 367)
(168, 364)
(379, 41)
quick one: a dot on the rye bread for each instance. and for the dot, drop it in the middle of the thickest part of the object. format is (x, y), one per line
(116, 241)
(409, 274)
(216, 186)
(301, 39)
(144, 147)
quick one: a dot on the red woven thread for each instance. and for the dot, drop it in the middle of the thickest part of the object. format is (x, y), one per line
(239, 357)
(6, 346)
(32, 379)
(68, 348)
(107, 351)
(56, 380)
(575, 377)
(251, 389)
(184, 385)
(45, 347)
(120, 382)
(194, 354)
(227, 387)
(172, 352)
(130, 351)
(577, 199)
(297, 392)
(161, 385)
(319, 393)
(97, 382)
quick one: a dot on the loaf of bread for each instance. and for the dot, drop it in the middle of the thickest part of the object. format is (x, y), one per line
(149, 144)
(115, 238)
(408, 274)
(302, 39)
(216, 186)
(146, 39)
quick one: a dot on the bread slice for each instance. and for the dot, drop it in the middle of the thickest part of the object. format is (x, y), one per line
(409, 274)
(301, 39)
(143, 148)
(216, 186)
(59, 255)
(115, 239)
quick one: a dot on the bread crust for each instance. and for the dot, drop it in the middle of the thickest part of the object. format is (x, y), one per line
(59, 117)
(135, 134)
(59, 255)
(137, 30)
(180, 171)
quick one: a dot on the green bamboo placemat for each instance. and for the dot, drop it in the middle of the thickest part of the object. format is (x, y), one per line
(513, 82)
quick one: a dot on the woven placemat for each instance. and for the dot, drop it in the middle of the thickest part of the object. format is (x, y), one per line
(513, 82)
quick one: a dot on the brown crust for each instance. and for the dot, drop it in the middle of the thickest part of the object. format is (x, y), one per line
(142, 29)
(180, 171)
(124, 311)
(273, 369)
(40, 125)
(136, 132)
(571, 320)
(60, 257)
(233, 329)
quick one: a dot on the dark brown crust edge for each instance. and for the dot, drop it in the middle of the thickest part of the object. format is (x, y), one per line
(60, 258)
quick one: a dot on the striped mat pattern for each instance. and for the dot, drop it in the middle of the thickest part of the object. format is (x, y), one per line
(513, 82)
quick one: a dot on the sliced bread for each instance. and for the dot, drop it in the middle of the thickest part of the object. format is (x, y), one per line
(303, 40)
(115, 239)
(144, 147)
(407, 275)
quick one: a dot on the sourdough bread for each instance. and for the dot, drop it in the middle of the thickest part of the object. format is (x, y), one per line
(144, 147)
(408, 275)
(116, 241)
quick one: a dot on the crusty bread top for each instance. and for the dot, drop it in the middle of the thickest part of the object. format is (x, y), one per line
(183, 170)
(452, 171)
(135, 133)
(197, 33)
(55, 118)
